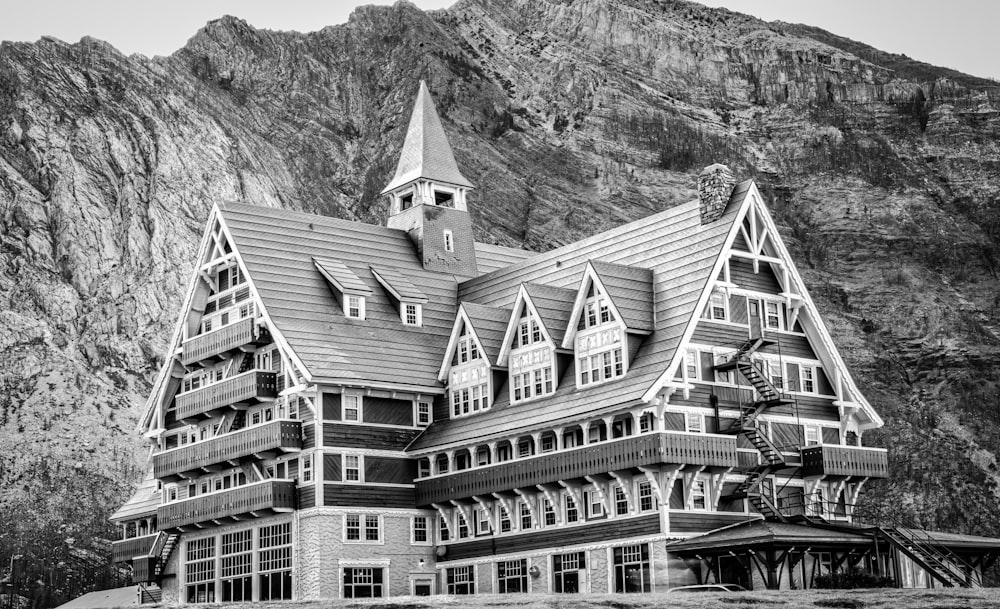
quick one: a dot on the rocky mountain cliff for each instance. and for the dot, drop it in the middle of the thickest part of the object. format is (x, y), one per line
(571, 116)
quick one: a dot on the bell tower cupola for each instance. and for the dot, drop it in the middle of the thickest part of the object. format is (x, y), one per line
(427, 195)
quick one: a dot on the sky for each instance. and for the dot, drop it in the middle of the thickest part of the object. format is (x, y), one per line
(958, 34)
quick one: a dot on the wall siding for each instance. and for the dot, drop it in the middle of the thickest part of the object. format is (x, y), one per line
(331, 467)
(741, 273)
(387, 411)
(307, 497)
(555, 537)
(331, 406)
(718, 334)
(362, 495)
(362, 436)
(395, 471)
(699, 522)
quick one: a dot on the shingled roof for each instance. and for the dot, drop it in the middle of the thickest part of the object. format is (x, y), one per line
(489, 324)
(631, 290)
(678, 250)
(426, 152)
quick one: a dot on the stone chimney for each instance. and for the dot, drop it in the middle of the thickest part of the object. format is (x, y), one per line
(715, 185)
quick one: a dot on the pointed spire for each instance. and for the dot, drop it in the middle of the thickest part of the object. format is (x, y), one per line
(426, 153)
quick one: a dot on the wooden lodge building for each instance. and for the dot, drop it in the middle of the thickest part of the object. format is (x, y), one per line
(352, 410)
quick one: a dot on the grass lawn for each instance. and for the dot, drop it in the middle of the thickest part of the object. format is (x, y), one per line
(888, 598)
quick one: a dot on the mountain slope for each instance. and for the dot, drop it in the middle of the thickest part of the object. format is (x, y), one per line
(570, 117)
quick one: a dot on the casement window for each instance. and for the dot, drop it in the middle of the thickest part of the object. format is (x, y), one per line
(460, 580)
(549, 513)
(449, 241)
(354, 306)
(200, 570)
(595, 507)
(362, 528)
(512, 576)
(444, 534)
(411, 314)
(306, 467)
(419, 530)
(525, 516)
(694, 423)
(363, 582)
(505, 524)
(698, 500)
(424, 410)
(717, 307)
(353, 468)
(572, 514)
(352, 408)
(621, 501)
(601, 367)
(647, 501)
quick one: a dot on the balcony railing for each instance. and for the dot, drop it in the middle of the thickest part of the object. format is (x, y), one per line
(254, 499)
(279, 436)
(217, 342)
(616, 455)
(125, 550)
(249, 387)
(838, 460)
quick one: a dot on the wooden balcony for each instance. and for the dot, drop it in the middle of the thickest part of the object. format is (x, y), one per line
(257, 499)
(124, 550)
(265, 441)
(617, 455)
(219, 342)
(247, 388)
(838, 460)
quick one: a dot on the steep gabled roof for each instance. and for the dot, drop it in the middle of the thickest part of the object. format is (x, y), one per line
(278, 247)
(631, 289)
(682, 254)
(489, 324)
(426, 152)
(553, 306)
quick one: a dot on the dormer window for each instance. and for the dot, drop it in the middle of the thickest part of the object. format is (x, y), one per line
(355, 306)
(469, 381)
(410, 314)
(598, 311)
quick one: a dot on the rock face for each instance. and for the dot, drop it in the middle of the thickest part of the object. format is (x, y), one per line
(570, 117)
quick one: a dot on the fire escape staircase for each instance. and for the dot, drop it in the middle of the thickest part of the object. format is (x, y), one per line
(939, 562)
(162, 549)
(756, 483)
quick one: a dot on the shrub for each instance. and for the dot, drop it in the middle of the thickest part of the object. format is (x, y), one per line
(852, 578)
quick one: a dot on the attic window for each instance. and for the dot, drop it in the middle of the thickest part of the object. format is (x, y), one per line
(355, 306)
(444, 199)
(410, 314)
(406, 201)
(449, 241)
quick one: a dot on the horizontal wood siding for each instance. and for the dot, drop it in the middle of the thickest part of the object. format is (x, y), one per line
(741, 273)
(722, 335)
(441, 404)
(700, 522)
(363, 495)
(387, 411)
(305, 413)
(307, 497)
(308, 435)
(362, 436)
(731, 398)
(395, 471)
(555, 538)
(788, 345)
(331, 406)
(331, 468)
(786, 436)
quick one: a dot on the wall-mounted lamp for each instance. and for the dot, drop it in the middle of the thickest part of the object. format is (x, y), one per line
(534, 572)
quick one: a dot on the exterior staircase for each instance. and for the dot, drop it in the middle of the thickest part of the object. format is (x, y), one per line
(939, 562)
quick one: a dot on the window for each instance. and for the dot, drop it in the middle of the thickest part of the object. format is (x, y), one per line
(621, 501)
(807, 375)
(355, 306)
(698, 495)
(482, 456)
(647, 502)
(567, 570)
(773, 315)
(362, 528)
(352, 408)
(410, 314)
(595, 507)
(463, 527)
(200, 570)
(275, 580)
(812, 435)
(646, 423)
(716, 308)
(512, 576)
(352, 468)
(549, 512)
(237, 566)
(691, 365)
(601, 367)
(483, 522)
(572, 514)
(598, 312)
(525, 516)
(504, 520)
(693, 423)
(525, 447)
(449, 241)
(443, 531)
(419, 529)
(460, 580)
(631, 567)
(306, 466)
(548, 442)
(423, 468)
(423, 414)
(362, 582)
(468, 400)
(504, 452)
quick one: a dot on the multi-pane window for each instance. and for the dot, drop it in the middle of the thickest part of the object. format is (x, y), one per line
(463, 527)
(567, 570)
(505, 525)
(482, 521)
(572, 514)
(773, 315)
(601, 367)
(597, 311)
(595, 506)
(237, 566)
(362, 582)
(812, 435)
(420, 529)
(716, 308)
(549, 512)
(693, 423)
(275, 579)
(355, 306)
(466, 351)
(698, 501)
(423, 414)
(691, 364)
(525, 516)
(807, 376)
(200, 570)
(306, 466)
(443, 532)
(410, 313)
(460, 580)
(467, 400)
(352, 407)
(621, 501)
(352, 468)
(647, 501)
(512, 576)
(632, 569)
(449, 241)
(362, 527)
